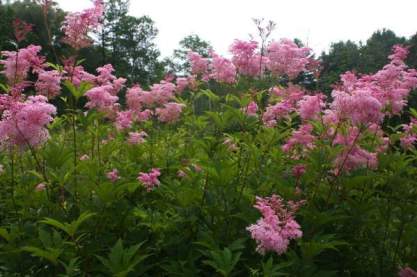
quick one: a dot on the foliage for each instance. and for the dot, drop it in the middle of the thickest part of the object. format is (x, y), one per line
(127, 42)
(178, 63)
(255, 174)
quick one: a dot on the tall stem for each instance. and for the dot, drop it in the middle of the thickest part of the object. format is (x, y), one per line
(13, 182)
(74, 142)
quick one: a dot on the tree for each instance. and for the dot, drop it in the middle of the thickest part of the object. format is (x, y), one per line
(6, 30)
(127, 42)
(374, 54)
(178, 62)
(412, 57)
(32, 13)
(342, 57)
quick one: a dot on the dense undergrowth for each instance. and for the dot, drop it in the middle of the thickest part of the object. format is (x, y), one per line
(240, 168)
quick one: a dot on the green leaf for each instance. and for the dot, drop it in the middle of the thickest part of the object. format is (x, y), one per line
(49, 254)
(69, 228)
(121, 261)
(5, 234)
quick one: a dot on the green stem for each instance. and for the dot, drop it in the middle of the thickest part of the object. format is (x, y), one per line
(13, 182)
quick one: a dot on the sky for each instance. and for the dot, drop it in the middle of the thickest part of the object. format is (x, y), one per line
(317, 23)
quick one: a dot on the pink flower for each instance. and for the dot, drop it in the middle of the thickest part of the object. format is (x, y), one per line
(144, 115)
(124, 120)
(353, 156)
(288, 99)
(18, 64)
(137, 137)
(252, 109)
(222, 70)
(106, 78)
(101, 98)
(231, 146)
(182, 84)
(399, 54)
(407, 272)
(409, 136)
(84, 157)
(21, 29)
(286, 58)
(298, 170)
(310, 106)
(275, 112)
(302, 138)
(49, 83)
(40, 187)
(199, 65)
(293, 93)
(245, 59)
(360, 107)
(390, 86)
(181, 174)
(77, 25)
(150, 180)
(277, 226)
(77, 74)
(133, 98)
(161, 93)
(170, 112)
(113, 175)
(366, 109)
(197, 168)
(408, 141)
(24, 123)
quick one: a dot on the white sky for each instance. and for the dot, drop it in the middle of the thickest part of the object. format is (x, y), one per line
(316, 22)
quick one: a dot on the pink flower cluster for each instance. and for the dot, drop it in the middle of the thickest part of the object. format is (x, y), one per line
(19, 63)
(77, 25)
(113, 175)
(170, 112)
(356, 112)
(160, 94)
(105, 77)
(24, 123)
(245, 58)
(103, 96)
(302, 137)
(48, 83)
(182, 83)
(77, 74)
(359, 107)
(289, 98)
(124, 120)
(287, 58)
(230, 144)
(222, 69)
(137, 137)
(219, 68)
(150, 179)
(199, 65)
(282, 58)
(159, 101)
(407, 272)
(310, 106)
(252, 109)
(277, 227)
(409, 136)
(389, 86)
(353, 156)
